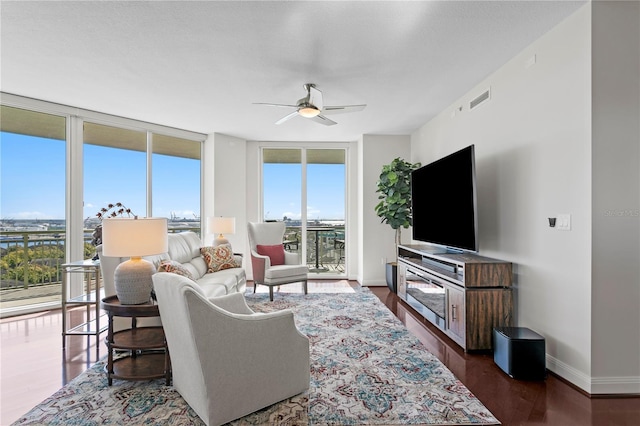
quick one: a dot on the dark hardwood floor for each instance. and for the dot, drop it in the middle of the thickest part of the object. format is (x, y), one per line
(33, 366)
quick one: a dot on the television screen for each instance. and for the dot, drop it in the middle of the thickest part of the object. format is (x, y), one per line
(443, 196)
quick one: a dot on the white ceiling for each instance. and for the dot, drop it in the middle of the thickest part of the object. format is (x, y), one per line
(200, 65)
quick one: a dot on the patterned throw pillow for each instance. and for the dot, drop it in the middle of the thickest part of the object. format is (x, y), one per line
(218, 257)
(175, 268)
(275, 253)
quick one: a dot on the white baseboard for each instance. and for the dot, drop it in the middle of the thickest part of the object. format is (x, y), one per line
(569, 373)
(594, 385)
(615, 385)
(374, 283)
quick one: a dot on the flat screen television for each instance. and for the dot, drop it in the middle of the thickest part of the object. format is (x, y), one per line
(443, 197)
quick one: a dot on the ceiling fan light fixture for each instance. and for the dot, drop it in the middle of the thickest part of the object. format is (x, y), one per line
(308, 112)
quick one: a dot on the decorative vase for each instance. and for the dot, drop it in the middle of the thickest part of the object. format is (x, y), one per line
(133, 281)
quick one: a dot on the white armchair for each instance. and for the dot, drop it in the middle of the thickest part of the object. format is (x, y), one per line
(228, 361)
(270, 234)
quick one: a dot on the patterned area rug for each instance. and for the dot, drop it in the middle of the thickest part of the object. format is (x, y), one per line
(366, 369)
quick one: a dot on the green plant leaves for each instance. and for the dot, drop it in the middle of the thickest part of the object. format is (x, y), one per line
(394, 187)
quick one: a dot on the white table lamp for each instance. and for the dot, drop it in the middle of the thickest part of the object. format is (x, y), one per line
(221, 225)
(134, 237)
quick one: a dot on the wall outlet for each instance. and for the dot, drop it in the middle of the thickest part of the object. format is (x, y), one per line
(563, 222)
(383, 260)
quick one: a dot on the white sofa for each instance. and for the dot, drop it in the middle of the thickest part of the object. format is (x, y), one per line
(184, 247)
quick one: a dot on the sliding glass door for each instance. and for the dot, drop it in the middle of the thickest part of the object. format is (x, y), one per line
(305, 188)
(32, 201)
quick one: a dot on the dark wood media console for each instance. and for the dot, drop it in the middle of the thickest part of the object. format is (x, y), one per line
(463, 294)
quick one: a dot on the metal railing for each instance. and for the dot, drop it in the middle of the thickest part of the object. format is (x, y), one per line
(30, 263)
(325, 247)
(32, 258)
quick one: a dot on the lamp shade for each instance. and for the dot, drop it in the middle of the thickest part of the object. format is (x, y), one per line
(125, 237)
(221, 225)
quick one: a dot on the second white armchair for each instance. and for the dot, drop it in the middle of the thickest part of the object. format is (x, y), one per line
(272, 265)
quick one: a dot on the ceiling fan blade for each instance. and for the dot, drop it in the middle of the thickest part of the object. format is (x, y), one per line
(323, 120)
(315, 97)
(275, 105)
(287, 117)
(341, 109)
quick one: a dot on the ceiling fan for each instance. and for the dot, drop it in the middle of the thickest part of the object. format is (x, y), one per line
(312, 107)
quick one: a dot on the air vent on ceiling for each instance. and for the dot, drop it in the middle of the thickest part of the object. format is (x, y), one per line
(485, 96)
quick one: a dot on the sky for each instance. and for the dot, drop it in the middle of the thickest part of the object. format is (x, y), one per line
(32, 183)
(32, 180)
(282, 191)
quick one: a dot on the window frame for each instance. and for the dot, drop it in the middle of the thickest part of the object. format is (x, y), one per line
(348, 190)
(74, 187)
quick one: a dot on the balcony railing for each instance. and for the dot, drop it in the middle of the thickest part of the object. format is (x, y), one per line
(325, 247)
(30, 265)
(30, 261)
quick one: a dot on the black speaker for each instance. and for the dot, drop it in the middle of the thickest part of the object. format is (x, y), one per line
(519, 352)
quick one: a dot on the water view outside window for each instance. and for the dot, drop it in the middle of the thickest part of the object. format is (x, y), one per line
(33, 226)
(326, 210)
(114, 170)
(305, 188)
(32, 206)
(176, 181)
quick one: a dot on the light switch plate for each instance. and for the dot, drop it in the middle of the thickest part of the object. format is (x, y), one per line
(563, 222)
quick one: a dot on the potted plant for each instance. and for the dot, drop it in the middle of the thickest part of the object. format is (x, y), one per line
(394, 208)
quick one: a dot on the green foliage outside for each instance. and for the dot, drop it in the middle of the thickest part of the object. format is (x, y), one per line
(42, 261)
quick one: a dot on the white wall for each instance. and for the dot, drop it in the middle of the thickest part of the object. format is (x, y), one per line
(533, 158)
(616, 197)
(377, 240)
(226, 179)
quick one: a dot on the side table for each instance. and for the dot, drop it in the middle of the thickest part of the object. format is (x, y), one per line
(89, 298)
(149, 355)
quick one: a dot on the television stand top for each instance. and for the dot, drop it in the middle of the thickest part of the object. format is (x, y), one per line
(465, 269)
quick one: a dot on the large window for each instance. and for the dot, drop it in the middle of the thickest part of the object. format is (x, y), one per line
(59, 166)
(305, 188)
(176, 181)
(282, 185)
(117, 170)
(114, 169)
(32, 207)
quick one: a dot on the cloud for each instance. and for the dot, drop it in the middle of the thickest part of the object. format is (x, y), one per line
(30, 215)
